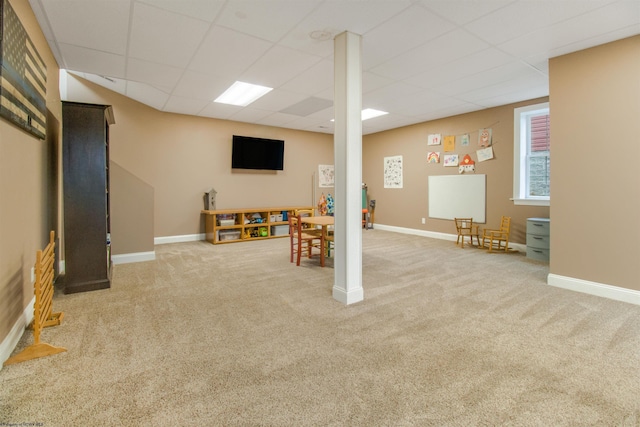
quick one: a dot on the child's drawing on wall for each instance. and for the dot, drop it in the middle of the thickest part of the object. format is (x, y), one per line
(434, 139)
(484, 137)
(464, 140)
(467, 165)
(433, 157)
(449, 143)
(450, 160)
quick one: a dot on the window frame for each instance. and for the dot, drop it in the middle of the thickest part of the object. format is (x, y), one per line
(520, 149)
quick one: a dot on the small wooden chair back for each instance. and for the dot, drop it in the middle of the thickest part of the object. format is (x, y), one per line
(505, 224)
(304, 240)
(494, 239)
(305, 212)
(463, 224)
(465, 227)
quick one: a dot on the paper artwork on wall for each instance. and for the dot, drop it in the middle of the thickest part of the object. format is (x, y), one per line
(434, 139)
(464, 140)
(484, 137)
(485, 154)
(326, 175)
(450, 160)
(467, 165)
(393, 172)
(433, 157)
(449, 143)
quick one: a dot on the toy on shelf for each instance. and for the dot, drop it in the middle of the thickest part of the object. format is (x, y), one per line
(330, 205)
(322, 205)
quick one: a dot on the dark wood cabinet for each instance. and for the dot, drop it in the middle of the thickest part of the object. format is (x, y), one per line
(85, 163)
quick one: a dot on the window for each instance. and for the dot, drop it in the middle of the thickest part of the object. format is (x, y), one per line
(531, 159)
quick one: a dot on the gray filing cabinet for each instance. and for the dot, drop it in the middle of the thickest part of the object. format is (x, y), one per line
(538, 239)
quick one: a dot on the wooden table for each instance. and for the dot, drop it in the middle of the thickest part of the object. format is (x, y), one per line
(325, 222)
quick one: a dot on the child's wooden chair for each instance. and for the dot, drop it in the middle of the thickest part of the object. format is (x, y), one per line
(465, 227)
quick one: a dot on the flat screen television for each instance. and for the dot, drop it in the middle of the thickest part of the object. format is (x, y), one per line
(257, 153)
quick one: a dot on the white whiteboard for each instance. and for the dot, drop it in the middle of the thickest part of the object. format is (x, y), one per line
(458, 196)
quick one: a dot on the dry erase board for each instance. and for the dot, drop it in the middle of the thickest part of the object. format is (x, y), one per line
(458, 196)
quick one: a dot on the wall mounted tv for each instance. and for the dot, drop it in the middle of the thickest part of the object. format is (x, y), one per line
(257, 153)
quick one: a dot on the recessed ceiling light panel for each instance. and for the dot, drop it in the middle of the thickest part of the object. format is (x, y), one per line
(370, 113)
(242, 94)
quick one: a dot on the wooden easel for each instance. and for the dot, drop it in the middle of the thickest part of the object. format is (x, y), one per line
(42, 315)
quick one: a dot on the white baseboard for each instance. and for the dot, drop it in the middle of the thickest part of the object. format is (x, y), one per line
(178, 239)
(593, 288)
(133, 257)
(436, 235)
(11, 341)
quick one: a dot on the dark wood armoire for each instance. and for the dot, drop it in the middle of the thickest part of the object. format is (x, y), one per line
(85, 164)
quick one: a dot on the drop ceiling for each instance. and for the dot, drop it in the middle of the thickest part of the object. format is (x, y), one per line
(422, 59)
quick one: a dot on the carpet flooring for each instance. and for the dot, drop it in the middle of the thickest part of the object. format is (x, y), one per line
(235, 335)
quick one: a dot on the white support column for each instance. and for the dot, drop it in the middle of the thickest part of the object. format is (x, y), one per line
(347, 143)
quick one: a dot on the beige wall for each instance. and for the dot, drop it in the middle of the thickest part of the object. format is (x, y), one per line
(132, 227)
(28, 189)
(407, 206)
(181, 157)
(595, 123)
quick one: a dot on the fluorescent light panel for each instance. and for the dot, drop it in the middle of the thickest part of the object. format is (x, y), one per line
(242, 94)
(370, 113)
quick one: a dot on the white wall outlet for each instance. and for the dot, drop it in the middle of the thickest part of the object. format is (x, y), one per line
(33, 274)
(424, 221)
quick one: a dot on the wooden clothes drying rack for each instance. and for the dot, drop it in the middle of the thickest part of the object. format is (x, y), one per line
(42, 309)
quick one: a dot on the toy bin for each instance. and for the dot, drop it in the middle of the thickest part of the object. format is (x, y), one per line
(226, 219)
(226, 235)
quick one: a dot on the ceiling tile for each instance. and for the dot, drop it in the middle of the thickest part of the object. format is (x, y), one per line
(163, 76)
(206, 10)
(388, 94)
(443, 50)
(526, 16)
(318, 77)
(460, 68)
(219, 111)
(493, 76)
(249, 115)
(92, 61)
(97, 25)
(147, 95)
(278, 66)
(178, 104)
(277, 119)
(277, 99)
(529, 82)
(463, 11)
(268, 20)
(115, 85)
(151, 41)
(200, 86)
(307, 106)
(227, 53)
(566, 33)
(418, 27)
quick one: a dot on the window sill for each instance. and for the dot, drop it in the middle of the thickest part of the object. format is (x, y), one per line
(531, 202)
